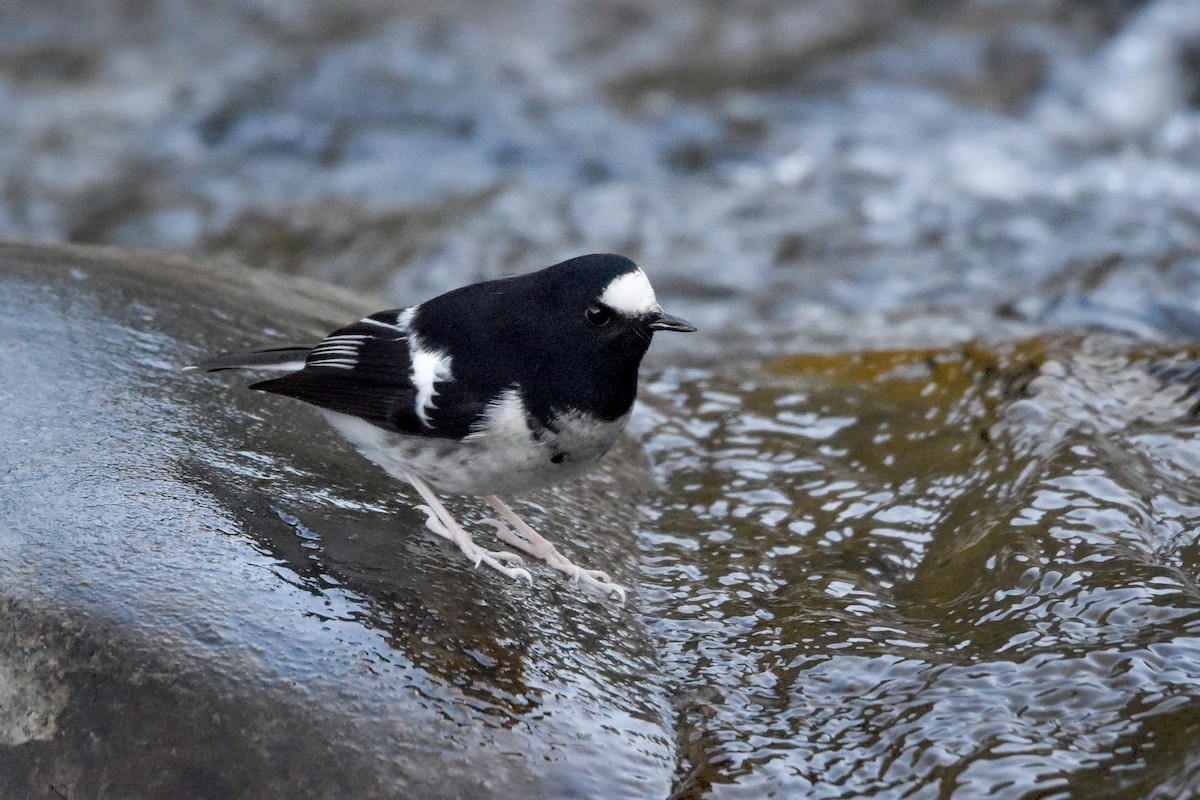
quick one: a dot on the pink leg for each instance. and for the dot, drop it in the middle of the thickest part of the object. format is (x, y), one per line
(443, 524)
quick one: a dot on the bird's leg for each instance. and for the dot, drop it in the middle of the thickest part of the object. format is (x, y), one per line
(440, 521)
(527, 539)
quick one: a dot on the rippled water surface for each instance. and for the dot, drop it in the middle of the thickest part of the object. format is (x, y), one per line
(869, 570)
(966, 573)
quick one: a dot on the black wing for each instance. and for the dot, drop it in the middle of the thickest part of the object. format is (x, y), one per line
(365, 370)
(362, 369)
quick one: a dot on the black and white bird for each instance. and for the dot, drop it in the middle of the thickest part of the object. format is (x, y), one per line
(492, 389)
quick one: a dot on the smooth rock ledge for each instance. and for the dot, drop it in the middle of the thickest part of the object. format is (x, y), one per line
(205, 593)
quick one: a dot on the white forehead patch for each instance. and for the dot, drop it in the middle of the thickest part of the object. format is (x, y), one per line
(630, 294)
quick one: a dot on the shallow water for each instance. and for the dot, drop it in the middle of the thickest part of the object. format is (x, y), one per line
(965, 572)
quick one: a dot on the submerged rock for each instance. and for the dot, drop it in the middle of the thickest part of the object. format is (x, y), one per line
(204, 593)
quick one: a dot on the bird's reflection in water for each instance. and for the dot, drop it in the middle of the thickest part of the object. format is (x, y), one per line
(470, 643)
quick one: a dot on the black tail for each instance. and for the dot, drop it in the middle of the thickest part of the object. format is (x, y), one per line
(287, 359)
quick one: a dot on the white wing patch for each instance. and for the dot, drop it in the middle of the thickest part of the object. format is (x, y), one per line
(403, 317)
(339, 351)
(428, 368)
(630, 294)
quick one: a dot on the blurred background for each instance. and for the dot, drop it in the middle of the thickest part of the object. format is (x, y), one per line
(939, 167)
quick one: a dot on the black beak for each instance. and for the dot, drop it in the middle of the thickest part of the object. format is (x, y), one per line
(662, 321)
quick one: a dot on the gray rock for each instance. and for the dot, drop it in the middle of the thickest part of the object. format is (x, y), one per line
(204, 593)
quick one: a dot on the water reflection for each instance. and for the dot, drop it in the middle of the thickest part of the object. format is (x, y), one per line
(500, 645)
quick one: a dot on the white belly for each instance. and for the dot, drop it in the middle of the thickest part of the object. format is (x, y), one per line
(502, 457)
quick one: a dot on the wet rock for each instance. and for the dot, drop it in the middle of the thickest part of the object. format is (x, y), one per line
(203, 593)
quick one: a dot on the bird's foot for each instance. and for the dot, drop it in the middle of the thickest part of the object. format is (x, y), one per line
(477, 555)
(538, 547)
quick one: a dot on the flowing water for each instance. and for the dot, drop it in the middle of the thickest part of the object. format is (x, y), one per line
(927, 522)
(932, 573)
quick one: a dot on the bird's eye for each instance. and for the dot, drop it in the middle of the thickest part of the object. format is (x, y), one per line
(599, 315)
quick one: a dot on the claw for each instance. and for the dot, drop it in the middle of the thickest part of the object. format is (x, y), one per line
(525, 538)
(598, 575)
(438, 520)
(513, 531)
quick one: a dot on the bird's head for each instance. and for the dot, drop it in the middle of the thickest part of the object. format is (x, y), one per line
(608, 302)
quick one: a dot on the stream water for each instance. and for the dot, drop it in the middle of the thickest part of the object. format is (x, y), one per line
(927, 522)
(933, 573)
